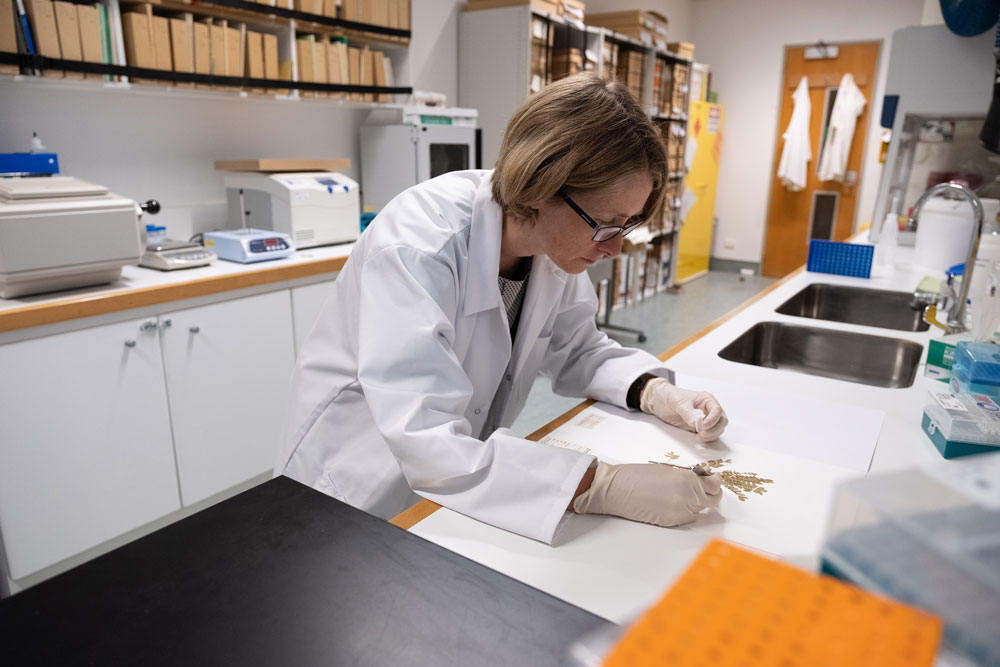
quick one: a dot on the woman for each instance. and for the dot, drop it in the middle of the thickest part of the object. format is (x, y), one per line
(458, 295)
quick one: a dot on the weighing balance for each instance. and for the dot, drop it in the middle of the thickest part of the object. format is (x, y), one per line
(249, 245)
(172, 255)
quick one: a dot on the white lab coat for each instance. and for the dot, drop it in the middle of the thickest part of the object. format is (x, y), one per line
(796, 152)
(395, 380)
(840, 132)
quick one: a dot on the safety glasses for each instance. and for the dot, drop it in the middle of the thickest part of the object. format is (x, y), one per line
(601, 232)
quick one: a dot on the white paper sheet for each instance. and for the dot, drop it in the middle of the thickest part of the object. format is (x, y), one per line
(613, 567)
(768, 418)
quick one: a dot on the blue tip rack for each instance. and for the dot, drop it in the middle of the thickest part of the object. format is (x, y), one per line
(843, 259)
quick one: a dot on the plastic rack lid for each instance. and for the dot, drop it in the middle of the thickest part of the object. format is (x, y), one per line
(763, 612)
(965, 417)
(979, 363)
(843, 259)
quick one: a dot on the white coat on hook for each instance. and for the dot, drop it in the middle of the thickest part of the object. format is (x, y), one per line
(840, 132)
(796, 153)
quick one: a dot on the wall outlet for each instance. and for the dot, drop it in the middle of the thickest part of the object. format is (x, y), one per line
(729, 244)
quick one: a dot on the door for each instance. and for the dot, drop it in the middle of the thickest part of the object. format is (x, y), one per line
(228, 367)
(823, 209)
(85, 447)
(695, 237)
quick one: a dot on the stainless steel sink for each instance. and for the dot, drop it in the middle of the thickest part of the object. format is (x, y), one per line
(842, 355)
(856, 305)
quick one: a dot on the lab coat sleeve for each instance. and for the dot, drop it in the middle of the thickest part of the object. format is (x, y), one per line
(418, 394)
(582, 361)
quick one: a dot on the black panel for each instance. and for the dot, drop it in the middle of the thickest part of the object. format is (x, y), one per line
(284, 575)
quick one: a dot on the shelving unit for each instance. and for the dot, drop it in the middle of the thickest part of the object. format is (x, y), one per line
(507, 53)
(285, 23)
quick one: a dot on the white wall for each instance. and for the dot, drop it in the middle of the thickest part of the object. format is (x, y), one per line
(744, 42)
(434, 46)
(159, 142)
(678, 13)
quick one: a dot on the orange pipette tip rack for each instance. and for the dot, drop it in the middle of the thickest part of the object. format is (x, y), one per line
(733, 608)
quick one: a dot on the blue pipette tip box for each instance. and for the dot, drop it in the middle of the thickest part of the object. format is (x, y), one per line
(842, 259)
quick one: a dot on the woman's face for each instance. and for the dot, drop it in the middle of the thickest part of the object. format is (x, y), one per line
(567, 239)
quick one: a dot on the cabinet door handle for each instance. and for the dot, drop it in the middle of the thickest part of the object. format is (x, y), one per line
(194, 329)
(130, 343)
(147, 326)
(166, 324)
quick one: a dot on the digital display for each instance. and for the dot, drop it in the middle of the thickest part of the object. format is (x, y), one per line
(326, 180)
(270, 244)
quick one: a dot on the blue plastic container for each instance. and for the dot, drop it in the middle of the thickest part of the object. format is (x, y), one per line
(842, 259)
(976, 369)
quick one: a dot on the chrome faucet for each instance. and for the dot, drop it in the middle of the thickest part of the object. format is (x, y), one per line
(956, 309)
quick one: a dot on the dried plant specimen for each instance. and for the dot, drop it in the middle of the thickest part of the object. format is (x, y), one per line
(742, 483)
(673, 456)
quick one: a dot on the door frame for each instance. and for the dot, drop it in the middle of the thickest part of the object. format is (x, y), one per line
(876, 93)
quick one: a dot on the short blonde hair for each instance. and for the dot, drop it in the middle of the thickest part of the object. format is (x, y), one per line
(581, 133)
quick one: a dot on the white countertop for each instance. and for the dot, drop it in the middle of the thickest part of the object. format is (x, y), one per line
(136, 278)
(615, 568)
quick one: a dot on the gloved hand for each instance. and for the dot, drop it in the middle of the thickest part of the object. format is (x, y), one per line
(696, 411)
(649, 492)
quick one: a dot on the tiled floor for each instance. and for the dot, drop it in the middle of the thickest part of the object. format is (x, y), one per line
(667, 319)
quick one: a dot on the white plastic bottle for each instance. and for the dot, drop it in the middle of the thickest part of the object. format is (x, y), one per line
(885, 247)
(989, 253)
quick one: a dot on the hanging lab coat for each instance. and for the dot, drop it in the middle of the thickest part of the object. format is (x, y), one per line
(796, 152)
(394, 383)
(840, 131)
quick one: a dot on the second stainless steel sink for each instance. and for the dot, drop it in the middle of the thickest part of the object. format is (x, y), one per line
(874, 360)
(855, 305)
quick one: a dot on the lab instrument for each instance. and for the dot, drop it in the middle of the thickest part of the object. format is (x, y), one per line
(170, 255)
(403, 147)
(249, 245)
(58, 232)
(311, 208)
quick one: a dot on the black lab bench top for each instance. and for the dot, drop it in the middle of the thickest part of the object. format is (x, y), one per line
(284, 575)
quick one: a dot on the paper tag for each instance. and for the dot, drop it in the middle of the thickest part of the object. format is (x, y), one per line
(950, 402)
(977, 478)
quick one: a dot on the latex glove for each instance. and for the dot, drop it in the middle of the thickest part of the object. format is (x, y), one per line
(696, 411)
(649, 492)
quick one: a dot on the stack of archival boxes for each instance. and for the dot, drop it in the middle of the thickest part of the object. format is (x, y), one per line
(646, 27)
(58, 30)
(184, 42)
(326, 59)
(566, 8)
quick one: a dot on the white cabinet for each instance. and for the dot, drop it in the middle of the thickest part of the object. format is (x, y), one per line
(85, 442)
(227, 369)
(307, 302)
(106, 429)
